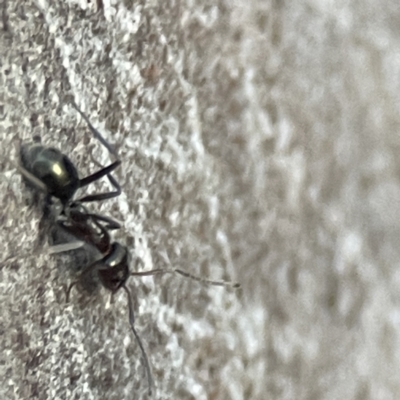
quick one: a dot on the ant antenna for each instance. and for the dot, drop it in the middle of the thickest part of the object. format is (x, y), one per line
(95, 132)
(131, 322)
(206, 281)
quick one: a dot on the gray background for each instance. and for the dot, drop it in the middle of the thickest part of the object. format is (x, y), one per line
(259, 143)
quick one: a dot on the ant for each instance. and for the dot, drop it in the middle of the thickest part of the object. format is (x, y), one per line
(50, 171)
(112, 270)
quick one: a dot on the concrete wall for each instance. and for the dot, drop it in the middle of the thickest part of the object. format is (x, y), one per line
(259, 143)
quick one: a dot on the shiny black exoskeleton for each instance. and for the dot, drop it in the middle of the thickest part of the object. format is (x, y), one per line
(52, 172)
(113, 269)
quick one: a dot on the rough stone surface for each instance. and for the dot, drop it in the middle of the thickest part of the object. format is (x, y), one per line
(259, 143)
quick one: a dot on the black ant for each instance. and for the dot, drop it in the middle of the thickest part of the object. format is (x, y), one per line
(113, 269)
(51, 172)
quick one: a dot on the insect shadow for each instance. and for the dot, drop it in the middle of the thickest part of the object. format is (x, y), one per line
(52, 172)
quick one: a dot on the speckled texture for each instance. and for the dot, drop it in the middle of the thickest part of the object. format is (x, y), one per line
(259, 143)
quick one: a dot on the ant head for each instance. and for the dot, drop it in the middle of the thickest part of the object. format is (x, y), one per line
(114, 269)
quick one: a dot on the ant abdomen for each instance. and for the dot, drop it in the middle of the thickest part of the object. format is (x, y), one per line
(47, 169)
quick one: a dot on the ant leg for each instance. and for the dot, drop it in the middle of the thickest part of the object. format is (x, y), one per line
(69, 291)
(79, 214)
(186, 275)
(95, 132)
(84, 229)
(44, 223)
(49, 216)
(61, 248)
(99, 174)
(86, 271)
(102, 196)
(37, 183)
(111, 223)
(132, 324)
